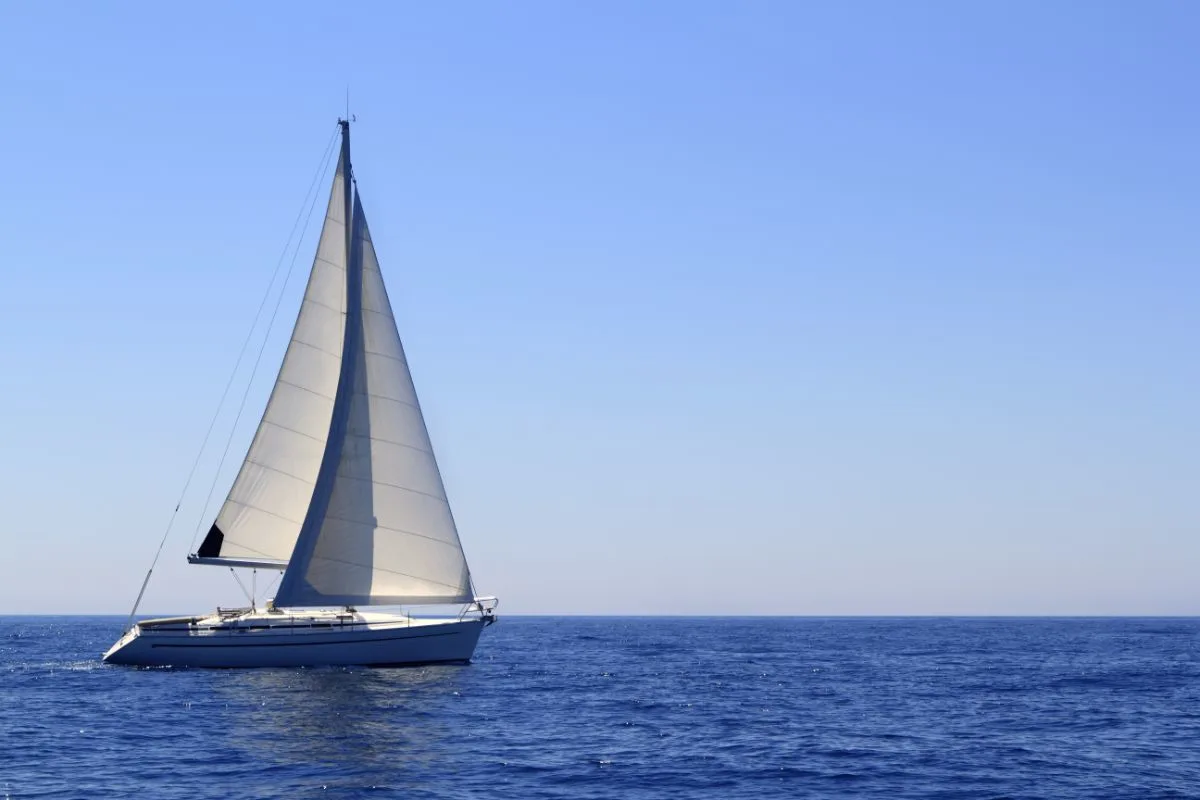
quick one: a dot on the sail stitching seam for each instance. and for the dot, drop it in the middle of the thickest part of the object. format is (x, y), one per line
(324, 305)
(392, 399)
(395, 530)
(280, 471)
(318, 349)
(383, 569)
(263, 510)
(385, 355)
(246, 546)
(389, 441)
(333, 264)
(304, 388)
(293, 430)
(394, 486)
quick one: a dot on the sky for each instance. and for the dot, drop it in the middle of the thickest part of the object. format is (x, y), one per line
(714, 308)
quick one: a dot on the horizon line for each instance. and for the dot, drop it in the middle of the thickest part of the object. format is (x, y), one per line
(651, 615)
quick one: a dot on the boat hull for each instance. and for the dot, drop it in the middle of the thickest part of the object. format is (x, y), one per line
(400, 644)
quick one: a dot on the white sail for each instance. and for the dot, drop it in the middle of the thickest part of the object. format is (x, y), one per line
(261, 518)
(379, 529)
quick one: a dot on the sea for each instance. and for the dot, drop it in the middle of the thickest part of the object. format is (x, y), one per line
(643, 707)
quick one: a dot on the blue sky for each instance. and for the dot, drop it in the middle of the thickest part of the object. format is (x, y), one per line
(842, 308)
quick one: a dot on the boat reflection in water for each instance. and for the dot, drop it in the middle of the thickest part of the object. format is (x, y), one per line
(350, 726)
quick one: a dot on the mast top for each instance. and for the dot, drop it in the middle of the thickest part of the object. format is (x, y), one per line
(344, 124)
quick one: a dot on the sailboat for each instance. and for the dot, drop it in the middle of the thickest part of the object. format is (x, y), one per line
(340, 490)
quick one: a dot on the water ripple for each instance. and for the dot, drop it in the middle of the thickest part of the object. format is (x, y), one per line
(629, 708)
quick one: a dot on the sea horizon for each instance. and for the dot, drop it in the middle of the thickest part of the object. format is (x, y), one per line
(693, 617)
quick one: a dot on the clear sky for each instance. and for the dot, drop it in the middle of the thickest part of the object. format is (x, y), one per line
(810, 308)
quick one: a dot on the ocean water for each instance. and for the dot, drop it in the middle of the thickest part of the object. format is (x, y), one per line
(628, 708)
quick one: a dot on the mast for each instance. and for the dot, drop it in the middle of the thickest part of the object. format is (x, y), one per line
(346, 189)
(352, 335)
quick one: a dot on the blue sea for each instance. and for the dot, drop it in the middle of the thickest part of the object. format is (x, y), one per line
(628, 708)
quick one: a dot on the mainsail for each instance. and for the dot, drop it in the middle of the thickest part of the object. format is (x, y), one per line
(261, 518)
(341, 482)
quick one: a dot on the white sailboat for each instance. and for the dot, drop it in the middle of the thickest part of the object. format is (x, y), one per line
(340, 490)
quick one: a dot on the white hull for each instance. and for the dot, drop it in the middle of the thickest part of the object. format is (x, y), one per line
(285, 640)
